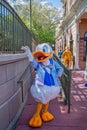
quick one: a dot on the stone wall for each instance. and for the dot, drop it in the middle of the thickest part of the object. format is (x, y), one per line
(11, 68)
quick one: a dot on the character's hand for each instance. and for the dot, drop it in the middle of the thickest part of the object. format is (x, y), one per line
(28, 52)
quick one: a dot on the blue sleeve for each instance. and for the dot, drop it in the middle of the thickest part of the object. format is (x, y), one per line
(59, 69)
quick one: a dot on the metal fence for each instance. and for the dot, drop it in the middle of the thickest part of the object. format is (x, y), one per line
(13, 32)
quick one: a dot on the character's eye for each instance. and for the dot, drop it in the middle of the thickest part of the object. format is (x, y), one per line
(45, 49)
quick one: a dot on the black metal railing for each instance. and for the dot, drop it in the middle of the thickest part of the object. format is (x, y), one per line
(65, 83)
(13, 32)
(26, 79)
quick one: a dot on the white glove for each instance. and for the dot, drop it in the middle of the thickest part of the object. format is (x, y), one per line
(28, 52)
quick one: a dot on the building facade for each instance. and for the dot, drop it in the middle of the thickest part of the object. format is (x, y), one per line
(72, 31)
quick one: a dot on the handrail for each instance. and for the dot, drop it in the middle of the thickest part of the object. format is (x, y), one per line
(23, 74)
(28, 74)
(65, 82)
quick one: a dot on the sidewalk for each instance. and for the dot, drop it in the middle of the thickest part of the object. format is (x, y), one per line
(76, 120)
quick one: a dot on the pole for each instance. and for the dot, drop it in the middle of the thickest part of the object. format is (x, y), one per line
(30, 15)
(31, 24)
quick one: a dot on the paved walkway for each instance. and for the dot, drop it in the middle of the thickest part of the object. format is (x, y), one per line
(76, 120)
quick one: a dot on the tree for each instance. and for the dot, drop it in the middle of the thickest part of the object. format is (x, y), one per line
(45, 18)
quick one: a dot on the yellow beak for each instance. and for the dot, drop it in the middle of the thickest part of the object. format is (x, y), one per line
(41, 56)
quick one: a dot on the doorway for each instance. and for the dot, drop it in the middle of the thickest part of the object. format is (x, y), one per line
(85, 47)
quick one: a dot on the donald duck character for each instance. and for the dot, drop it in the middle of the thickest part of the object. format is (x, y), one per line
(46, 85)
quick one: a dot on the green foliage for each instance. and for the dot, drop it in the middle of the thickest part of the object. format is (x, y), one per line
(44, 19)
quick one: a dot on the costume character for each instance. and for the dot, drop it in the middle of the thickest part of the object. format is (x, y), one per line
(67, 57)
(46, 85)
